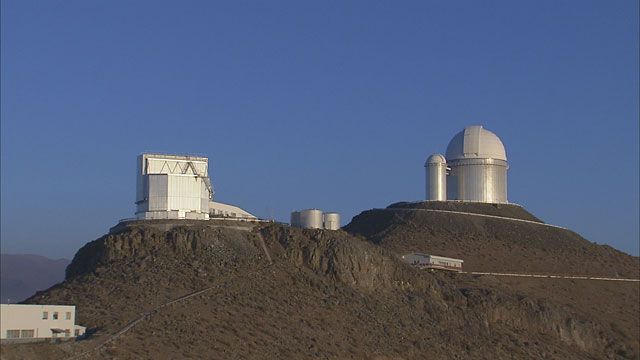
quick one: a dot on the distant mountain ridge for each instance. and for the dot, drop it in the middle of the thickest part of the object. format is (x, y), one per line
(21, 275)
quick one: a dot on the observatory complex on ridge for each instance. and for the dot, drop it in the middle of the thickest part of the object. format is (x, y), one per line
(179, 187)
(474, 169)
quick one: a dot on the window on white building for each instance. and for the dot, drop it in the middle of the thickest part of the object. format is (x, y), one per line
(13, 334)
(55, 315)
(45, 315)
(27, 333)
(68, 315)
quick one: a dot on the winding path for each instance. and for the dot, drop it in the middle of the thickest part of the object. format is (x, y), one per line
(151, 312)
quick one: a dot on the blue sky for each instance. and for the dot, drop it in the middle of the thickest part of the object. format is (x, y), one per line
(329, 104)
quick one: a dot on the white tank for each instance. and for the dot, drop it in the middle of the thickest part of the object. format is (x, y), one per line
(311, 219)
(478, 163)
(436, 178)
(331, 221)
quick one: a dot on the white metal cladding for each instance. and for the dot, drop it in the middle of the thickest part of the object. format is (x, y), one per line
(476, 142)
(172, 183)
(158, 193)
(436, 188)
(205, 197)
(311, 219)
(171, 164)
(331, 221)
(482, 180)
(184, 193)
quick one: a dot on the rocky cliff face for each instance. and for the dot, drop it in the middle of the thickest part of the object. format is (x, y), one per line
(215, 244)
(327, 294)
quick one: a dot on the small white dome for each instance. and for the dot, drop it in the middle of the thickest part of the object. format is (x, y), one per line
(474, 142)
(435, 159)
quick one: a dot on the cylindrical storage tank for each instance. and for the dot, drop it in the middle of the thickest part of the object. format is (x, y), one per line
(436, 178)
(481, 180)
(331, 221)
(311, 219)
(295, 218)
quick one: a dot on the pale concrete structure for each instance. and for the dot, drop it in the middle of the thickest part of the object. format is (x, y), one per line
(22, 322)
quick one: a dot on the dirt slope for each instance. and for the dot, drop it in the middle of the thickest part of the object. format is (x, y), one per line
(512, 211)
(489, 243)
(328, 294)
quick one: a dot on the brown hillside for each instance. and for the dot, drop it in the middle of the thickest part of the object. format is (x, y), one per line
(503, 210)
(490, 243)
(327, 294)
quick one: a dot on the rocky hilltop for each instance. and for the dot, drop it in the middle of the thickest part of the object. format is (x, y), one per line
(272, 291)
(490, 237)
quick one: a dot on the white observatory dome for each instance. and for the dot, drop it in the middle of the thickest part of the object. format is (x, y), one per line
(436, 159)
(474, 142)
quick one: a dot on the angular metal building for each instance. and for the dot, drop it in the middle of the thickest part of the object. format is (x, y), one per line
(173, 187)
(476, 162)
(178, 187)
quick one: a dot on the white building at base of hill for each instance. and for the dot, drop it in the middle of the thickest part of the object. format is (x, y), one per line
(22, 322)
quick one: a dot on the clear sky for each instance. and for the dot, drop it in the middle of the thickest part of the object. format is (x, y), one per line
(314, 104)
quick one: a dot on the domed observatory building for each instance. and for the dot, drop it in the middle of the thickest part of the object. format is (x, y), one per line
(476, 161)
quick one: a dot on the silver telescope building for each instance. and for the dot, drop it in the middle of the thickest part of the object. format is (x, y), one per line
(436, 177)
(475, 169)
